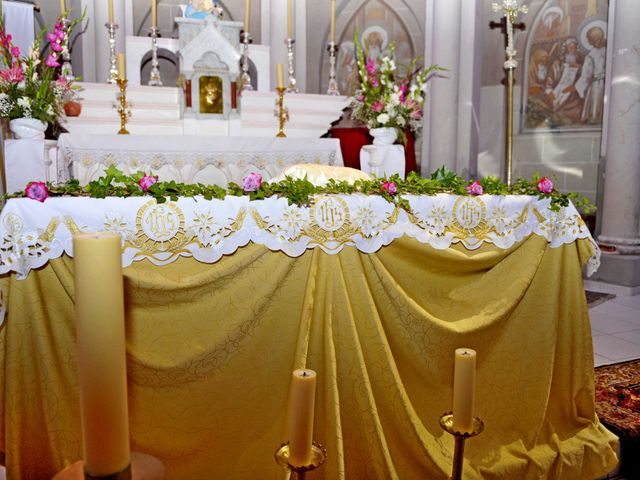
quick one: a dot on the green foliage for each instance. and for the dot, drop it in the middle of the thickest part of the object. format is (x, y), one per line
(115, 183)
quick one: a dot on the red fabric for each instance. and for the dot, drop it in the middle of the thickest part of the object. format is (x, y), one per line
(353, 139)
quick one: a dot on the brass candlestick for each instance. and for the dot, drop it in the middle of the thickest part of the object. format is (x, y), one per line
(511, 10)
(281, 112)
(142, 467)
(318, 457)
(446, 422)
(123, 107)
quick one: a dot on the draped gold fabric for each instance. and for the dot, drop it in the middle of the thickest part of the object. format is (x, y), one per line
(211, 349)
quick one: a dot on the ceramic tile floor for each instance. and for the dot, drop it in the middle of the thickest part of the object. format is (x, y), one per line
(615, 324)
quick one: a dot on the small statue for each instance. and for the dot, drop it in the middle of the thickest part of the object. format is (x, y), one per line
(199, 9)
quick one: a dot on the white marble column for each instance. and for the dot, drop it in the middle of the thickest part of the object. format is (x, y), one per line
(450, 133)
(277, 36)
(621, 204)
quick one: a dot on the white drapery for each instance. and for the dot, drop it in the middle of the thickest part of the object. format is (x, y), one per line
(18, 21)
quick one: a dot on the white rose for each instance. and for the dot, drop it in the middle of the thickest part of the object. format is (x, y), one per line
(382, 118)
(401, 121)
(24, 102)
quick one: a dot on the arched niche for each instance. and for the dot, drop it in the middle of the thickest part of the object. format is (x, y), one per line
(167, 64)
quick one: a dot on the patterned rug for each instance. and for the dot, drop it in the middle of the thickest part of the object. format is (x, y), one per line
(596, 298)
(618, 398)
(618, 407)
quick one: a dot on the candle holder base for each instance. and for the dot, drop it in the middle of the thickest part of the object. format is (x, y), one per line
(318, 457)
(142, 467)
(446, 422)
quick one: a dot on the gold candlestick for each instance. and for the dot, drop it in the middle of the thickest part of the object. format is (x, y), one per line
(281, 112)
(318, 457)
(446, 422)
(123, 108)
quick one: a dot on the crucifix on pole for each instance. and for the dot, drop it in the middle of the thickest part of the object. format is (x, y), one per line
(511, 10)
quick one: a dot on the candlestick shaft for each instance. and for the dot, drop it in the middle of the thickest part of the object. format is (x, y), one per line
(508, 153)
(154, 74)
(292, 85)
(113, 70)
(245, 78)
(458, 459)
(333, 83)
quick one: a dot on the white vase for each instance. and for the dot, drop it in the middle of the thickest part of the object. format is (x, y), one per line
(383, 135)
(27, 128)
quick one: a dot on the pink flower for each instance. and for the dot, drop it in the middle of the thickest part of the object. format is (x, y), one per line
(52, 37)
(475, 188)
(545, 185)
(146, 182)
(37, 191)
(416, 113)
(52, 61)
(12, 75)
(375, 82)
(360, 98)
(377, 106)
(371, 66)
(56, 47)
(15, 51)
(389, 187)
(252, 182)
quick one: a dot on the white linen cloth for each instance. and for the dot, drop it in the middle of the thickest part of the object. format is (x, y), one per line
(18, 21)
(190, 159)
(32, 233)
(24, 162)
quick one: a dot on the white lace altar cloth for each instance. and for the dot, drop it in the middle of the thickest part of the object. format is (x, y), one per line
(32, 233)
(190, 159)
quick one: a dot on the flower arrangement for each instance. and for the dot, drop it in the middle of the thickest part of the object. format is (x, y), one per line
(386, 101)
(299, 191)
(30, 87)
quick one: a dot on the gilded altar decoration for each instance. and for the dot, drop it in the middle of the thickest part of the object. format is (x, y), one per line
(210, 94)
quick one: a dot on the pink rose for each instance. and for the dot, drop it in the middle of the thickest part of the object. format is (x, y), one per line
(389, 187)
(252, 182)
(475, 188)
(377, 106)
(37, 191)
(545, 185)
(146, 182)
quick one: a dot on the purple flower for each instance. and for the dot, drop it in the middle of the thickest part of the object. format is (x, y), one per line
(37, 191)
(377, 106)
(52, 37)
(371, 66)
(252, 182)
(52, 61)
(545, 185)
(146, 181)
(56, 47)
(475, 188)
(389, 187)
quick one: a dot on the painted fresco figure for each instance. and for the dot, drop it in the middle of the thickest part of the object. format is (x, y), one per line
(590, 84)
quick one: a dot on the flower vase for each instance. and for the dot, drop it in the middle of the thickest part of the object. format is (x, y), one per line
(383, 135)
(28, 128)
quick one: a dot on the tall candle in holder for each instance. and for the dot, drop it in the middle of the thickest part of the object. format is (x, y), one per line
(289, 19)
(122, 68)
(247, 11)
(154, 14)
(464, 382)
(99, 311)
(301, 411)
(111, 16)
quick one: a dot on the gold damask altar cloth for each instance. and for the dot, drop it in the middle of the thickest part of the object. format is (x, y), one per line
(211, 348)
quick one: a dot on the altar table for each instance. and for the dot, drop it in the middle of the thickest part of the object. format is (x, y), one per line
(190, 159)
(224, 298)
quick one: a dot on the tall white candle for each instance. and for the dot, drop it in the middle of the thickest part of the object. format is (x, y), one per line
(122, 69)
(154, 14)
(63, 7)
(99, 310)
(280, 76)
(301, 411)
(332, 34)
(247, 10)
(464, 382)
(289, 18)
(111, 17)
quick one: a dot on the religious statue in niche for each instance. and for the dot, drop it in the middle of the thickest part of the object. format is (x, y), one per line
(211, 95)
(565, 59)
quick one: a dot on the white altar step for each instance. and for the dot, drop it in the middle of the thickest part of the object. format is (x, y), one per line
(157, 111)
(310, 115)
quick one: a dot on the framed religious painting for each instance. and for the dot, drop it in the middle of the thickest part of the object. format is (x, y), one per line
(564, 66)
